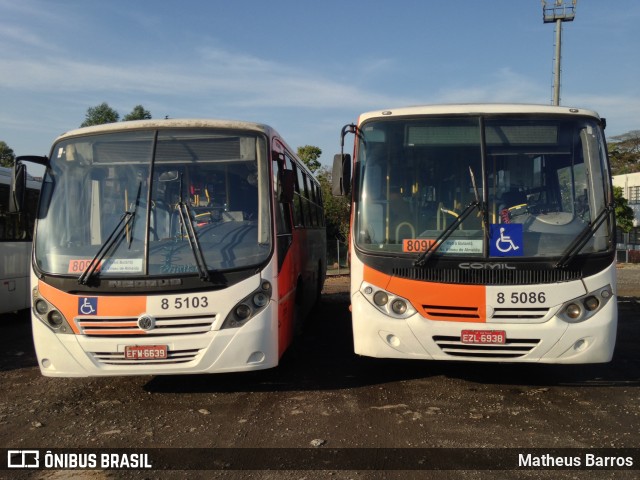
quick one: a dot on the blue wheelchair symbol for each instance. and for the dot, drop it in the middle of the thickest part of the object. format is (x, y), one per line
(87, 305)
(506, 240)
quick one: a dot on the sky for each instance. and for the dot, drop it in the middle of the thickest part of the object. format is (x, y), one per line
(304, 67)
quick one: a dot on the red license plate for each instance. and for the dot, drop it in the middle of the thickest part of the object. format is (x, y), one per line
(145, 352)
(484, 336)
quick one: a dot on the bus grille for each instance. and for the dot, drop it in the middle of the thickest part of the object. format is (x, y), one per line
(514, 348)
(128, 326)
(515, 315)
(487, 277)
(117, 358)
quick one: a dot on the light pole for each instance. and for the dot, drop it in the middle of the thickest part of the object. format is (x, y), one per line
(558, 11)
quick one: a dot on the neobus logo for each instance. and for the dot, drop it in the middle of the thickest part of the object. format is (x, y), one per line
(485, 266)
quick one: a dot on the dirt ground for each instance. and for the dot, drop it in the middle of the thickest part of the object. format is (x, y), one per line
(629, 279)
(323, 396)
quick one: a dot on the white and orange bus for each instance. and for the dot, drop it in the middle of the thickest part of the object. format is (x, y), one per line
(173, 247)
(481, 233)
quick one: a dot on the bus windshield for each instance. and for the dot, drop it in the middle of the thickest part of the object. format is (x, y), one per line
(539, 182)
(192, 199)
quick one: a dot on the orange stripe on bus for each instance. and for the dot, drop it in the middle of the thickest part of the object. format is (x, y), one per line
(88, 323)
(435, 301)
(117, 306)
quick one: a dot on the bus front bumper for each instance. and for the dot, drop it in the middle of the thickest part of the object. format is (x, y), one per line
(554, 341)
(254, 346)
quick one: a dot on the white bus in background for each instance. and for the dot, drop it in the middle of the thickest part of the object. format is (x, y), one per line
(15, 244)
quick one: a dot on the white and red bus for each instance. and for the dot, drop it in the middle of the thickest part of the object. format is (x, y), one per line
(173, 247)
(481, 233)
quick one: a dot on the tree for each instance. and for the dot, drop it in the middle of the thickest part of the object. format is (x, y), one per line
(310, 154)
(7, 157)
(624, 213)
(336, 213)
(99, 115)
(138, 113)
(624, 153)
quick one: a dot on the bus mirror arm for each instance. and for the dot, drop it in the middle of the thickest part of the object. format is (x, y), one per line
(40, 160)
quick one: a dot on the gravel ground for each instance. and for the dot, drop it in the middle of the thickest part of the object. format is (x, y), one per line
(629, 280)
(323, 396)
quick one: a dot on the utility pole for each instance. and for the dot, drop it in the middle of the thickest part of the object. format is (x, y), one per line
(558, 11)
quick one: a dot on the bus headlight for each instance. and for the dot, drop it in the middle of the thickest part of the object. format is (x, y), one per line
(591, 303)
(387, 302)
(243, 311)
(573, 311)
(399, 307)
(585, 307)
(249, 307)
(49, 314)
(380, 298)
(41, 306)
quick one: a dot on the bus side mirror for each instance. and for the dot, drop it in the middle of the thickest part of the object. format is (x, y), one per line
(341, 175)
(18, 187)
(19, 180)
(287, 184)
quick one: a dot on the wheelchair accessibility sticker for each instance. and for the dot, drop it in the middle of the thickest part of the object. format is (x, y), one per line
(87, 306)
(506, 240)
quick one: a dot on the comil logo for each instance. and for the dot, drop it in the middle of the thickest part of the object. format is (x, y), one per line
(23, 459)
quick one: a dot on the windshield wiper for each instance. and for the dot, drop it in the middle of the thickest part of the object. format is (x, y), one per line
(185, 219)
(126, 221)
(424, 257)
(583, 238)
(184, 213)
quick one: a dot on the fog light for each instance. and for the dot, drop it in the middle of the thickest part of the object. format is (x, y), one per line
(266, 286)
(243, 311)
(399, 307)
(574, 311)
(380, 298)
(54, 318)
(591, 303)
(605, 293)
(368, 290)
(580, 345)
(393, 340)
(41, 306)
